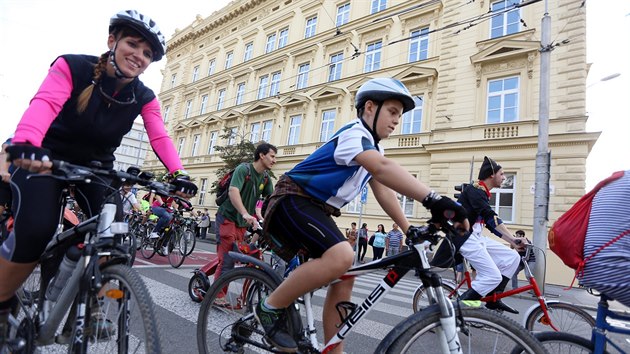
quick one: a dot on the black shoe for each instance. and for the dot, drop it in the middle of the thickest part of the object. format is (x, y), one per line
(273, 326)
(502, 306)
(470, 294)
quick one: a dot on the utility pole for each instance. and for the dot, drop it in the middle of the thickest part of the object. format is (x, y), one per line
(541, 187)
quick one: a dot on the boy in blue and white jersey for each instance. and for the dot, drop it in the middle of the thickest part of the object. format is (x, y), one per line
(298, 213)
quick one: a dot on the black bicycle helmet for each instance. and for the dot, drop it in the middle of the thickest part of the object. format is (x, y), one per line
(145, 26)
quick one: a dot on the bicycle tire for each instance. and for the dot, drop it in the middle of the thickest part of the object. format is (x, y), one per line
(222, 326)
(190, 240)
(147, 249)
(420, 300)
(198, 286)
(122, 320)
(130, 242)
(176, 249)
(564, 343)
(566, 317)
(417, 333)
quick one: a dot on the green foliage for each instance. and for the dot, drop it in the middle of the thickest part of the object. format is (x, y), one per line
(233, 155)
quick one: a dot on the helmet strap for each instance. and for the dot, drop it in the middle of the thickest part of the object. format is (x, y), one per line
(112, 60)
(372, 130)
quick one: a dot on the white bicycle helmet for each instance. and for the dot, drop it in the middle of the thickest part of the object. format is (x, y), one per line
(382, 89)
(145, 26)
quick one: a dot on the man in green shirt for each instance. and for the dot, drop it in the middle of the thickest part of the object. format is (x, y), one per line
(249, 183)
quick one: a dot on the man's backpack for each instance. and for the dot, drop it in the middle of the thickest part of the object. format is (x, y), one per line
(566, 236)
(223, 186)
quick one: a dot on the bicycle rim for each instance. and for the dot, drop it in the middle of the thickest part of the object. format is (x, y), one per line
(176, 249)
(483, 332)
(566, 317)
(190, 240)
(564, 343)
(420, 299)
(226, 316)
(147, 249)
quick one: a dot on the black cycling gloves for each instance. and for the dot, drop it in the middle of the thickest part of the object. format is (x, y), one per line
(443, 208)
(27, 152)
(184, 185)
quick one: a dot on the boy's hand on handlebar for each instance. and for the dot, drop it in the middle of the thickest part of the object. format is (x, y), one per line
(29, 157)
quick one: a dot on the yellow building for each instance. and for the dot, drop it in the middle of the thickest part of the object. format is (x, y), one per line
(287, 71)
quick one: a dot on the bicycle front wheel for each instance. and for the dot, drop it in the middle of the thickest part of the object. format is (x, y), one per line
(226, 321)
(421, 300)
(482, 332)
(565, 317)
(121, 317)
(564, 343)
(190, 240)
(176, 249)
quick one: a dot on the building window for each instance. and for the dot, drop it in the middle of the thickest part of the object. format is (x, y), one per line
(167, 110)
(249, 50)
(406, 204)
(507, 22)
(195, 146)
(195, 74)
(419, 45)
(240, 93)
(503, 100)
(220, 99)
(266, 130)
(213, 142)
(334, 69)
(283, 38)
(233, 135)
(211, 66)
(502, 198)
(311, 26)
(354, 206)
(378, 5)
(262, 87)
(180, 146)
(294, 130)
(343, 14)
(202, 190)
(412, 120)
(271, 42)
(204, 104)
(372, 57)
(302, 79)
(188, 110)
(274, 88)
(173, 80)
(228, 59)
(255, 132)
(328, 125)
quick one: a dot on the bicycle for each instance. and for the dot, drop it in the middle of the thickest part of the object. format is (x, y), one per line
(175, 237)
(544, 316)
(452, 327)
(84, 280)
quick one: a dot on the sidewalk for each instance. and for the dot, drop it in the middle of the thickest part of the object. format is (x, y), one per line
(576, 296)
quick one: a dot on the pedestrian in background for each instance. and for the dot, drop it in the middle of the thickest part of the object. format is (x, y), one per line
(204, 224)
(363, 242)
(393, 242)
(378, 246)
(351, 234)
(530, 261)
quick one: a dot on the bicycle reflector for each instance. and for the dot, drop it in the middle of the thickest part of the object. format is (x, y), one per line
(116, 294)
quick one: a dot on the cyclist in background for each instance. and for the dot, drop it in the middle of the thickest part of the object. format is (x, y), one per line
(298, 213)
(80, 114)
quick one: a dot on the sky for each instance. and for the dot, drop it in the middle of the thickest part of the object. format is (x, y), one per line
(34, 32)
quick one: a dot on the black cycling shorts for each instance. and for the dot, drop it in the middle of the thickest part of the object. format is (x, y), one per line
(298, 224)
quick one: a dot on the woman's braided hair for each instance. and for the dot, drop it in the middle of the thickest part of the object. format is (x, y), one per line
(99, 68)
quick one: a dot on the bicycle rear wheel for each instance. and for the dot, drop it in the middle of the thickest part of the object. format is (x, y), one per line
(564, 343)
(176, 249)
(147, 248)
(566, 317)
(483, 332)
(421, 300)
(190, 240)
(226, 321)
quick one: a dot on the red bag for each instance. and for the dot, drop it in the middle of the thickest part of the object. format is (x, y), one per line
(566, 237)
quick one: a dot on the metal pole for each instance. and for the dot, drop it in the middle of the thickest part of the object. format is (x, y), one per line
(541, 187)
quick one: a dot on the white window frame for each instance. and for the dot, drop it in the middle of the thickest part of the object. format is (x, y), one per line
(249, 51)
(274, 86)
(327, 128)
(204, 104)
(173, 80)
(311, 27)
(373, 57)
(180, 145)
(240, 93)
(343, 14)
(354, 206)
(295, 124)
(378, 6)
(266, 130)
(195, 145)
(419, 39)
(211, 66)
(411, 122)
(229, 57)
(188, 110)
(507, 22)
(167, 110)
(233, 135)
(213, 141)
(505, 212)
(270, 46)
(195, 73)
(406, 204)
(220, 99)
(254, 132)
(263, 82)
(505, 96)
(283, 37)
(203, 184)
(302, 79)
(335, 66)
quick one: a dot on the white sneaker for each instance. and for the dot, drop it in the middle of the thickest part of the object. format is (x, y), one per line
(165, 250)
(154, 235)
